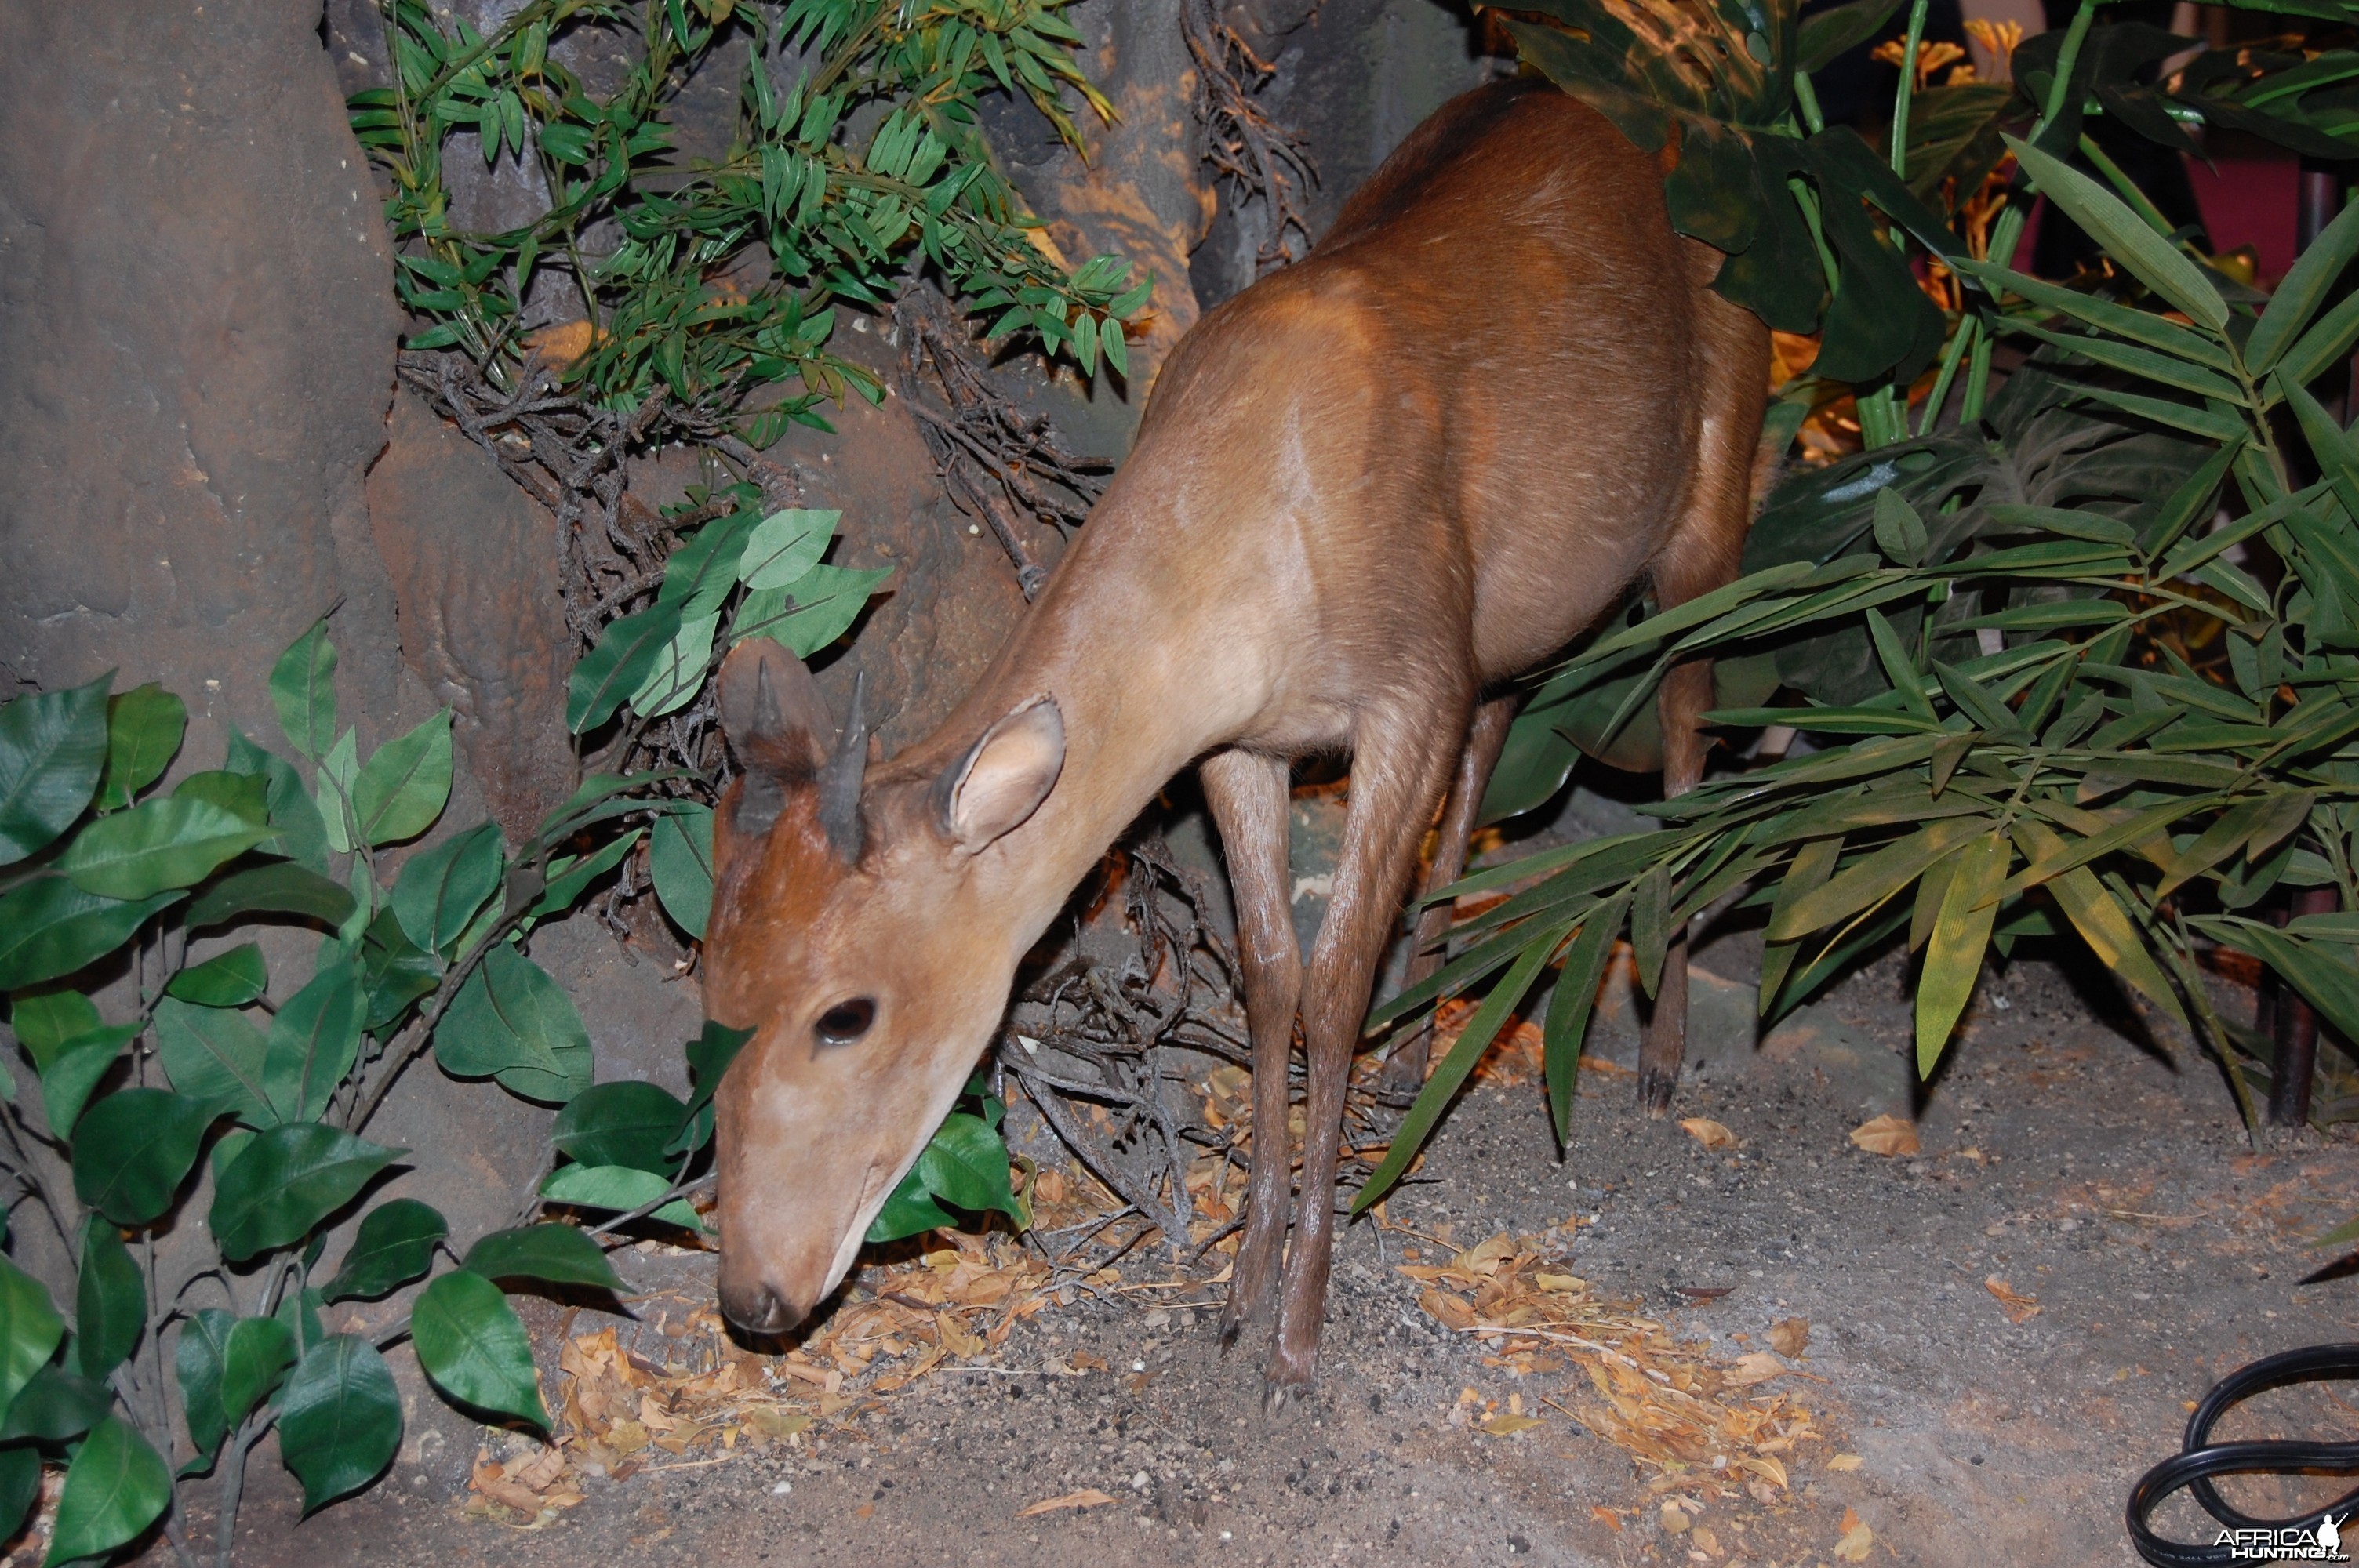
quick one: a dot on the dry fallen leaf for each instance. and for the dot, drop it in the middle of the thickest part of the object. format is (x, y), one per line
(1087, 1497)
(538, 1473)
(1705, 1541)
(562, 344)
(1508, 1425)
(491, 1481)
(1607, 1517)
(1757, 1367)
(1790, 1337)
(1843, 1462)
(1707, 1132)
(2019, 1308)
(1887, 1135)
(1856, 1539)
(1675, 1519)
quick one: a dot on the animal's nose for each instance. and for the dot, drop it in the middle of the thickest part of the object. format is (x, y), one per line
(757, 1309)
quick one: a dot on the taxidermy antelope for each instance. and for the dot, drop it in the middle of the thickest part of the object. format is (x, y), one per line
(1364, 496)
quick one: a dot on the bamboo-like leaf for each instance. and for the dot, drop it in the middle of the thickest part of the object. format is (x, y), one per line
(1569, 1011)
(1873, 879)
(2146, 255)
(2298, 297)
(1953, 954)
(1650, 918)
(2137, 326)
(2102, 922)
(1812, 864)
(1931, 888)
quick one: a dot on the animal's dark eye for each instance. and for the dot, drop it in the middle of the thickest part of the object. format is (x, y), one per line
(845, 1022)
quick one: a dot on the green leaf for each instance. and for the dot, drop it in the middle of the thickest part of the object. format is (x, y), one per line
(302, 832)
(2102, 922)
(393, 971)
(809, 613)
(405, 785)
(1569, 1010)
(396, 1245)
(2297, 299)
(30, 1330)
(2145, 255)
(339, 1419)
(569, 877)
(287, 1180)
(678, 670)
(1899, 532)
(303, 688)
(708, 1055)
(1650, 914)
(110, 1301)
(620, 1124)
(52, 750)
(511, 1021)
(50, 928)
(225, 979)
(134, 1149)
(314, 1040)
(1953, 956)
(619, 1188)
(701, 573)
(332, 790)
(1836, 29)
(474, 1348)
(144, 727)
(1873, 879)
(680, 859)
(910, 1210)
(617, 666)
(204, 1340)
(45, 1020)
(245, 796)
(1451, 1073)
(255, 1355)
(440, 889)
(20, 1488)
(55, 1405)
(280, 889)
(216, 1054)
(559, 1254)
(115, 1487)
(173, 842)
(76, 1070)
(784, 546)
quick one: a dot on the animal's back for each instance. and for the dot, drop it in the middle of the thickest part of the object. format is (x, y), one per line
(1504, 352)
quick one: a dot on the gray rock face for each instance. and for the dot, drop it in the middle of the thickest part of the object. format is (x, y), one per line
(196, 343)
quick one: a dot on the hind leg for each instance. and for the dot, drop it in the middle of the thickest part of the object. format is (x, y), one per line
(1405, 1069)
(1249, 797)
(1703, 555)
(1398, 771)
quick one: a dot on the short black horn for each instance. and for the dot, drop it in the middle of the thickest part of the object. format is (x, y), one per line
(840, 778)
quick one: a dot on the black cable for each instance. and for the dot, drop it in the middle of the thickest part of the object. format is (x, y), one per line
(2200, 1460)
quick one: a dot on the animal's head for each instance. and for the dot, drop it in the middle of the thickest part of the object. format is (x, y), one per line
(855, 931)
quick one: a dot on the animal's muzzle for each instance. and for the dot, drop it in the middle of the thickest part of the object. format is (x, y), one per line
(757, 1309)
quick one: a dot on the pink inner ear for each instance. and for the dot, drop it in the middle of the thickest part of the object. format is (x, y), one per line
(1012, 770)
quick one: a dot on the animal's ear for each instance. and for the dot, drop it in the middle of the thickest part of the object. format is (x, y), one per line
(777, 723)
(1003, 776)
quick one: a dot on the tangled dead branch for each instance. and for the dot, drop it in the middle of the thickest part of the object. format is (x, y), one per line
(1003, 467)
(1257, 156)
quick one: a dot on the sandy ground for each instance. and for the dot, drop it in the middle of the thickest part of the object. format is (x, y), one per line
(2063, 1168)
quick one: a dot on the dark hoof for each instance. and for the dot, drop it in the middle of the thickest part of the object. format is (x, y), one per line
(1231, 1329)
(1655, 1092)
(1282, 1402)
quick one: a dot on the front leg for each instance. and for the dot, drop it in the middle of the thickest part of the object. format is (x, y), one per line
(1249, 797)
(1399, 766)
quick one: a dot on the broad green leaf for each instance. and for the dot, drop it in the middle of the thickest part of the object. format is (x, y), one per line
(617, 664)
(279, 889)
(226, 979)
(678, 670)
(115, 1487)
(620, 1124)
(392, 970)
(133, 1150)
(405, 785)
(143, 730)
(965, 1164)
(511, 1021)
(809, 613)
(50, 928)
(569, 877)
(339, 1419)
(215, 1055)
(55, 1405)
(303, 688)
(561, 1254)
(1953, 956)
(197, 1358)
(1442, 1086)
(173, 842)
(286, 1181)
(20, 1488)
(1899, 532)
(701, 573)
(2144, 253)
(52, 751)
(314, 1040)
(45, 1020)
(784, 546)
(254, 1358)
(302, 833)
(474, 1348)
(620, 1188)
(110, 1301)
(680, 859)
(440, 889)
(396, 1245)
(30, 1330)
(708, 1055)
(332, 790)
(81, 1064)
(908, 1210)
